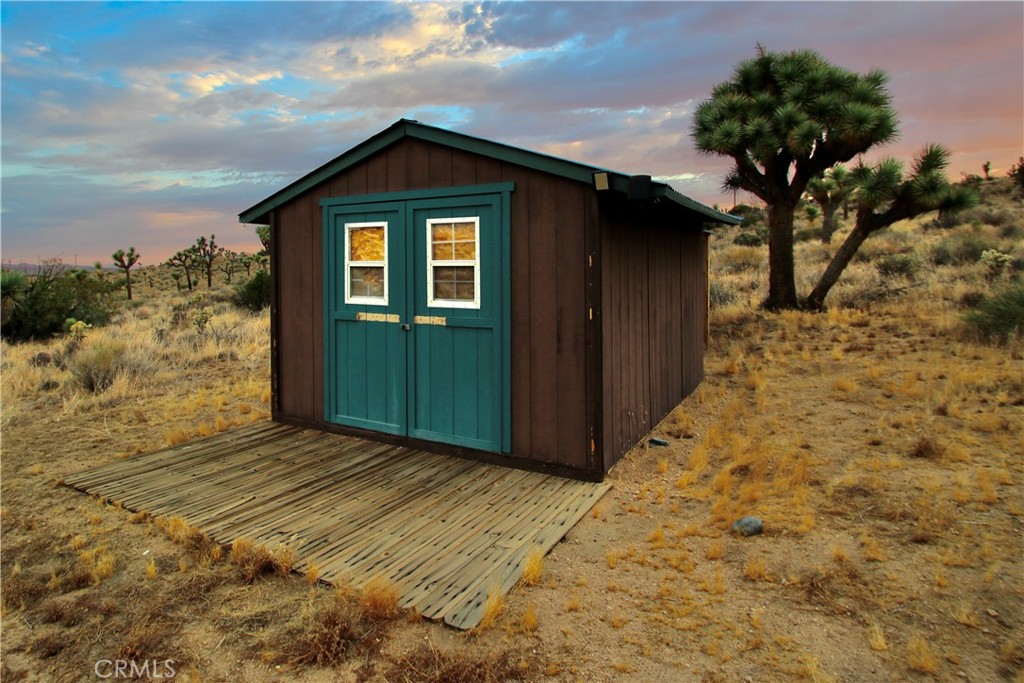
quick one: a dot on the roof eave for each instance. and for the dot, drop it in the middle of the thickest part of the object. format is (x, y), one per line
(713, 215)
(260, 213)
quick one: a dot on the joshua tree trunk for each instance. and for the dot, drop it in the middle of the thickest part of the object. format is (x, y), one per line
(816, 299)
(828, 224)
(781, 276)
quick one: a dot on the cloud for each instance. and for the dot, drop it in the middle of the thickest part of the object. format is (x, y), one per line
(162, 121)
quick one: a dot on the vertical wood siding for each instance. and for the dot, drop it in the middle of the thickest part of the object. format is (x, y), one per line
(653, 283)
(548, 315)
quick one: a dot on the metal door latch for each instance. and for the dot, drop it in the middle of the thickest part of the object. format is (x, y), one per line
(406, 326)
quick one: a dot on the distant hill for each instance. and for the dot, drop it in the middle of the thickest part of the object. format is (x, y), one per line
(33, 268)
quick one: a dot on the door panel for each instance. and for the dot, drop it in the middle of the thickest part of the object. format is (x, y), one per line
(427, 362)
(457, 377)
(367, 348)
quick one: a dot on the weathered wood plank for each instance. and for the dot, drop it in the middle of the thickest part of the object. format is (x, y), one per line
(446, 531)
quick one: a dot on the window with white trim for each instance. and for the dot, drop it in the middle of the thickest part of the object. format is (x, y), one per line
(453, 262)
(366, 263)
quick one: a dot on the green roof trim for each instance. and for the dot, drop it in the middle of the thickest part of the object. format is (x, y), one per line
(260, 213)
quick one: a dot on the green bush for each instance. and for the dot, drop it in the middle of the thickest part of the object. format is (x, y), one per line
(958, 251)
(892, 265)
(254, 293)
(1000, 317)
(748, 239)
(54, 295)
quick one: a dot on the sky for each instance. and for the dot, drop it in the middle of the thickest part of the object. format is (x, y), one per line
(148, 124)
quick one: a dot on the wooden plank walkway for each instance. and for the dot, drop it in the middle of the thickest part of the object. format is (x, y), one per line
(446, 531)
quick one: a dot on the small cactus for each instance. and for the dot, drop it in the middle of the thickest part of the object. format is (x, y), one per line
(996, 261)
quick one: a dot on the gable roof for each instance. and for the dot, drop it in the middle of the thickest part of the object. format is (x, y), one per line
(260, 213)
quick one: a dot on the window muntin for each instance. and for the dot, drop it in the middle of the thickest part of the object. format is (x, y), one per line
(366, 263)
(453, 262)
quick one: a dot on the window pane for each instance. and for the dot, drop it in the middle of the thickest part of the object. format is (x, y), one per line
(444, 290)
(454, 284)
(367, 281)
(465, 232)
(366, 244)
(443, 251)
(465, 251)
(442, 232)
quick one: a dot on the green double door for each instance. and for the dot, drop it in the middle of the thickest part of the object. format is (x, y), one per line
(416, 308)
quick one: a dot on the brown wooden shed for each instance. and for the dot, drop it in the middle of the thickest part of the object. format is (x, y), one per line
(459, 295)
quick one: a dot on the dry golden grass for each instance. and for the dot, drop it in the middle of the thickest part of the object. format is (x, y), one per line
(876, 638)
(533, 567)
(493, 608)
(878, 419)
(920, 656)
(379, 599)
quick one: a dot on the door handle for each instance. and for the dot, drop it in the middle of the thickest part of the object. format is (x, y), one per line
(406, 326)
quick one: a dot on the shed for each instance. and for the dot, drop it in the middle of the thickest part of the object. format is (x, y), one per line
(446, 292)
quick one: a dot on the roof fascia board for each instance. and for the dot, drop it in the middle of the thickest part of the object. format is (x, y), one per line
(573, 170)
(694, 205)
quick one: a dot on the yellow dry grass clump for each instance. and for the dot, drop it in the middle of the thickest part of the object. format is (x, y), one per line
(379, 599)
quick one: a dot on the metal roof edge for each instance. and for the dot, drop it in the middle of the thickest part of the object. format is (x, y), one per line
(703, 209)
(565, 168)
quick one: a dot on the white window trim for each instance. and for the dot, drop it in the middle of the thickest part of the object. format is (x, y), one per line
(449, 303)
(349, 264)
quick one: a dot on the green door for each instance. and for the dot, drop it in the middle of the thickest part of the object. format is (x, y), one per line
(417, 317)
(366, 298)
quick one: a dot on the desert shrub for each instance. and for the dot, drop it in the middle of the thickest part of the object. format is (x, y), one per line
(971, 299)
(254, 293)
(738, 259)
(996, 261)
(429, 663)
(748, 239)
(988, 215)
(893, 265)
(1000, 317)
(54, 295)
(95, 367)
(1016, 173)
(958, 251)
(720, 295)
(1011, 230)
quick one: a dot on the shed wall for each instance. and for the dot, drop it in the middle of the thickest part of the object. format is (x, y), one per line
(548, 309)
(654, 307)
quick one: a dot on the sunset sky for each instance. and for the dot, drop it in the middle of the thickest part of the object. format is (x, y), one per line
(149, 124)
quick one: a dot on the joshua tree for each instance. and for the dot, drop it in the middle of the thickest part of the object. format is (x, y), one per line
(884, 196)
(13, 285)
(263, 232)
(247, 261)
(206, 253)
(229, 262)
(830, 192)
(124, 261)
(985, 168)
(785, 118)
(186, 260)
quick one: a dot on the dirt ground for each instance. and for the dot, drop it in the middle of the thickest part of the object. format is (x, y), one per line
(882, 450)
